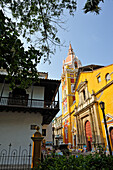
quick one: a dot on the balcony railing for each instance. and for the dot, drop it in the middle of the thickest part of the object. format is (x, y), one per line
(31, 103)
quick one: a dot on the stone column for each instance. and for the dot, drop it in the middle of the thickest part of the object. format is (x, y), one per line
(77, 130)
(98, 133)
(36, 153)
(80, 131)
(95, 127)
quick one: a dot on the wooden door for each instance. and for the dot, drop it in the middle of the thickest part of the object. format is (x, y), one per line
(111, 136)
(88, 135)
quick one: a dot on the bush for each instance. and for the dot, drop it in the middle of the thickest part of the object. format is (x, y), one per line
(92, 162)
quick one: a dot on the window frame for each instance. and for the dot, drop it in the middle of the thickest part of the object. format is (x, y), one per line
(107, 77)
(43, 132)
(99, 79)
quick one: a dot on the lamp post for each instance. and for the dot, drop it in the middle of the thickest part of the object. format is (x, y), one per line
(53, 129)
(102, 106)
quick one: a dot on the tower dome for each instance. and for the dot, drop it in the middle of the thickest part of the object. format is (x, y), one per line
(72, 60)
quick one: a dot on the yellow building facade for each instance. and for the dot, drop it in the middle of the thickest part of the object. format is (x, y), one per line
(94, 84)
(83, 88)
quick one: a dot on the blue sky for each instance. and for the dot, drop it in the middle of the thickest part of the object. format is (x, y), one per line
(91, 37)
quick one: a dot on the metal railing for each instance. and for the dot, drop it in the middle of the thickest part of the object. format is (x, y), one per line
(34, 103)
(14, 159)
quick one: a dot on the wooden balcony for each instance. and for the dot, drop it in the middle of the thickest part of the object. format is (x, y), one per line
(28, 103)
(48, 109)
(18, 100)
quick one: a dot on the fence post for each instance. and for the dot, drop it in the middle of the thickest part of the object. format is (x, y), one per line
(36, 153)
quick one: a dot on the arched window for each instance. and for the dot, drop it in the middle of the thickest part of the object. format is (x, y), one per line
(75, 64)
(84, 95)
(99, 79)
(107, 77)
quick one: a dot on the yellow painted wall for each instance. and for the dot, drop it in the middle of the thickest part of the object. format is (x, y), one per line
(92, 78)
(67, 115)
(106, 95)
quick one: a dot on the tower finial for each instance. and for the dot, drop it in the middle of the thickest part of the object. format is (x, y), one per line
(70, 47)
(70, 51)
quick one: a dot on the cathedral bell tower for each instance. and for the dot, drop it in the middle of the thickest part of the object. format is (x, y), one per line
(68, 78)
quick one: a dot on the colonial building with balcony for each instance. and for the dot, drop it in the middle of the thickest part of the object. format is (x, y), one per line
(23, 109)
(57, 130)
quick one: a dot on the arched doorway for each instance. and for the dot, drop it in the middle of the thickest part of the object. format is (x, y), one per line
(111, 136)
(88, 135)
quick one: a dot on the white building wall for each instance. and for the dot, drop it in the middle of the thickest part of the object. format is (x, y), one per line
(15, 128)
(48, 128)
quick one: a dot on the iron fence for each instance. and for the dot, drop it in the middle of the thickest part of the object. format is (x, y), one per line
(13, 159)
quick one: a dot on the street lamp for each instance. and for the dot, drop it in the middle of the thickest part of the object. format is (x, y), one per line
(53, 129)
(102, 106)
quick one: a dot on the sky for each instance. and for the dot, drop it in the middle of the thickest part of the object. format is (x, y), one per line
(91, 37)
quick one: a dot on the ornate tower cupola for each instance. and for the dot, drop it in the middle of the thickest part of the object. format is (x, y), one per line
(72, 60)
(70, 51)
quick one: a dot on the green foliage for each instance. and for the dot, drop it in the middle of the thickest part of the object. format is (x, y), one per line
(39, 16)
(37, 21)
(44, 18)
(92, 6)
(19, 63)
(92, 162)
